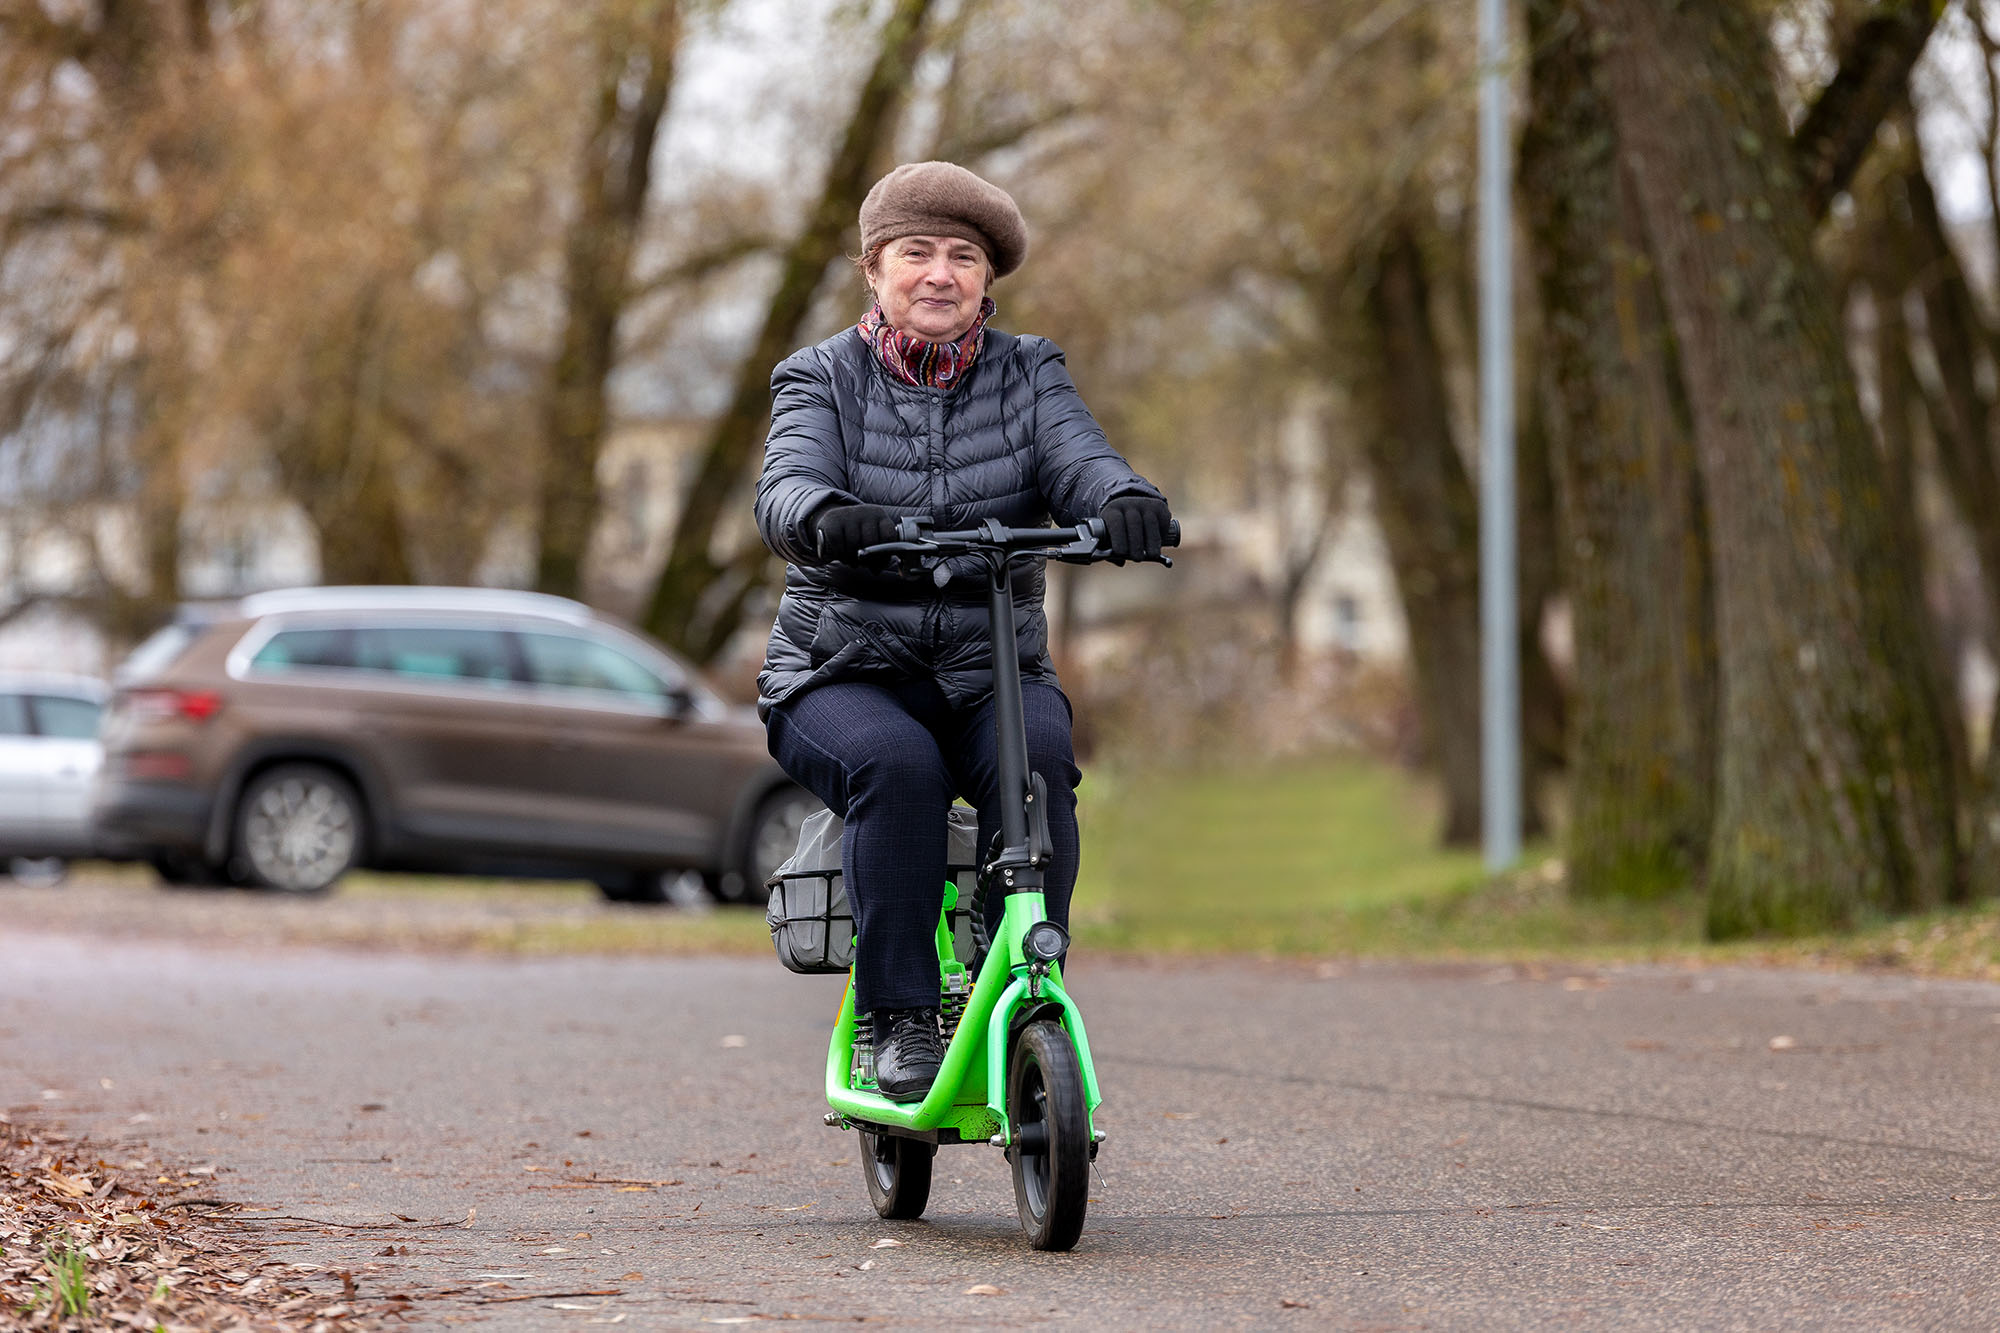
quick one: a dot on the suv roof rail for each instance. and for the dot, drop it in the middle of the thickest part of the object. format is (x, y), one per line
(415, 598)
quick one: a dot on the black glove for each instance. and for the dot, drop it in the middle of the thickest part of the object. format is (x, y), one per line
(1134, 527)
(844, 529)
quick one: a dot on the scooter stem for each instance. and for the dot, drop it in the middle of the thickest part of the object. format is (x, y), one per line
(1011, 731)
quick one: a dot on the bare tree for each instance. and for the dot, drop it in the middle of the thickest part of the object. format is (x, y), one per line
(636, 45)
(697, 602)
(1835, 795)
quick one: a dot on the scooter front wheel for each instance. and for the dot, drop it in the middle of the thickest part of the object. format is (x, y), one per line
(1051, 1136)
(898, 1172)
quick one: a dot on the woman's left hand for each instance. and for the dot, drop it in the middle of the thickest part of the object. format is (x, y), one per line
(1135, 526)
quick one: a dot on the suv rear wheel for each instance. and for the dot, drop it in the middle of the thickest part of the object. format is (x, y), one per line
(774, 836)
(299, 828)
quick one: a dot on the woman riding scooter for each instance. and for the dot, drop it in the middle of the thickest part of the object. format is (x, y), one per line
(876, 689)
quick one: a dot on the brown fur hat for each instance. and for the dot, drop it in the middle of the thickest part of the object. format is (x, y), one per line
(944, 199)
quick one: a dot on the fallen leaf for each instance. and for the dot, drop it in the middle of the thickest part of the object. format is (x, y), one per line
(632, 1277)
(565, 1305)
(1295, 1305)
(865, 1265)
(553, 1249)
(982, 1289)
(886, 1243)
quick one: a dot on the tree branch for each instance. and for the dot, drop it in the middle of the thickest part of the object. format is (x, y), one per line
(59, 213)
(977, 141)
(704, 263)
(1874, 73)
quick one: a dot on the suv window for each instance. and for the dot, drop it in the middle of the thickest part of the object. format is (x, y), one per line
(566, 662)
(64, 717)
(435, 652)
(13, 716)
(307, 648)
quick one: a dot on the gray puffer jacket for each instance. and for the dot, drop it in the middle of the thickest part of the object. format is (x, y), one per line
(1012, 441)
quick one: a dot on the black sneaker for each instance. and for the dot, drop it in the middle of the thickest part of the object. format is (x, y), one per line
(908, 1051)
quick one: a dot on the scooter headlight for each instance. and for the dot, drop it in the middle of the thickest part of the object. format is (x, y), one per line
(1045, 942)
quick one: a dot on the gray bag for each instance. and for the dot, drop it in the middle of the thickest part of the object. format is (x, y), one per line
(812, 927)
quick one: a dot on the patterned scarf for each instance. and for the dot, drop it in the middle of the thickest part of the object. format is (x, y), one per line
(925, 364)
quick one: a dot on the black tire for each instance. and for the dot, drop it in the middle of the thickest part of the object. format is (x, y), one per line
(633, 886)
(772, 837)
(1051, 1130)
(179, 870)
(299, 828)
(898, 1172)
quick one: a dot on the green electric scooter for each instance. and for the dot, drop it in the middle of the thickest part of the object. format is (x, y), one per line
(1017, 1072)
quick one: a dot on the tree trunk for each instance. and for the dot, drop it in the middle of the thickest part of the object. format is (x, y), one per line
(1424, 502)
(335, 463)
(1835, 798)
(1544, 705)
(1635, 549)
(617, 170)
(697, 603)
(1961, 420)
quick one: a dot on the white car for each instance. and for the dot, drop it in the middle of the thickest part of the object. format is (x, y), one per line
(49, 757)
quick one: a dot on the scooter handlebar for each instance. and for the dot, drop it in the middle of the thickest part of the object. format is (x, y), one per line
(1081, 544)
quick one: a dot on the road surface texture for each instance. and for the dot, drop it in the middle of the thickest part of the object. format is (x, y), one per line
(1290, 1146)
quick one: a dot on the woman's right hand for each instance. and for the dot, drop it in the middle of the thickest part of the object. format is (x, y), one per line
(845, 529)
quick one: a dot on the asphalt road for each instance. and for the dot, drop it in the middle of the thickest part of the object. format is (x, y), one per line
(1290, 1146)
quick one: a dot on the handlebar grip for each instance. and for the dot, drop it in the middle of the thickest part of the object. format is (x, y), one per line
(1173, 536)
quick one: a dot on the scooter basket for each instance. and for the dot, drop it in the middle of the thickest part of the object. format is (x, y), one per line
(812, 925)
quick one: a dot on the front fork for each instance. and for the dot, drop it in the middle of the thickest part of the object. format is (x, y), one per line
(1030, 993)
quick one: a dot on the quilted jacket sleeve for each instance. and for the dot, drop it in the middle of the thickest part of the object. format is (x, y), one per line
(1076, 468)
(804, 463)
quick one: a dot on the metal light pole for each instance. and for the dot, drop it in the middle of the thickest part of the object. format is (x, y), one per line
(1500, 715)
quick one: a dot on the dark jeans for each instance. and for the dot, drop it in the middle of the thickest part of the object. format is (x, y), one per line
(888, 759)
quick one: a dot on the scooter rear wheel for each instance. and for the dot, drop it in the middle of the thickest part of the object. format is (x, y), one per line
(1051, 1132)
(898, 1171)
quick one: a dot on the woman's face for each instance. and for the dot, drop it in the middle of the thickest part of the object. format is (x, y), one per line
(930, 287)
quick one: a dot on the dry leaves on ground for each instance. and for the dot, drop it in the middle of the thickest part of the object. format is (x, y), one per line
(87, 1244)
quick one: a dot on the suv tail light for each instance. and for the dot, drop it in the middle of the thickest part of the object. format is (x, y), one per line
(158, 705)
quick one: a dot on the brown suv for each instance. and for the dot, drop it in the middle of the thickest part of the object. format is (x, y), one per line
(286, 738)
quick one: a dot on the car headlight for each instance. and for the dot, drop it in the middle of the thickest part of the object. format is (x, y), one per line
(1045, 941)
